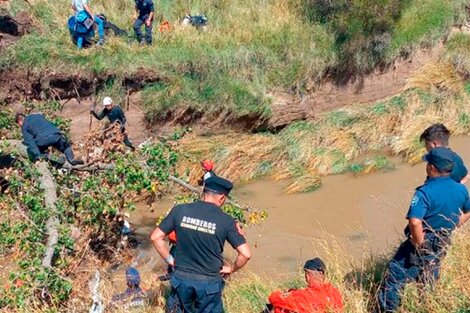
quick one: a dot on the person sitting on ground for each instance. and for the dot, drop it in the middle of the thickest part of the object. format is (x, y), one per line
(134, 296)
(144, 12)
(82, 11)
(208, 169)
(39, 134)
(114, 114)
(318, 297)
(437, 135)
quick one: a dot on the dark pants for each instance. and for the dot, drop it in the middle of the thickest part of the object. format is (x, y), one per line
(57, 141)
(126, 140)
(190, 295)
(411, 265)
(148, 29)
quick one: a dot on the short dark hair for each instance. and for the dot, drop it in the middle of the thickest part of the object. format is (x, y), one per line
(436, 132)
(19, 117)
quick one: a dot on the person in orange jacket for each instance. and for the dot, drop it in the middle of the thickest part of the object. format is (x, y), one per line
(318, 297)
(208, 169)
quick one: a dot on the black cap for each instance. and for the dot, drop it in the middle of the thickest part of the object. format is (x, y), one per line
(218, 185)
(315, 265)
(442, 158)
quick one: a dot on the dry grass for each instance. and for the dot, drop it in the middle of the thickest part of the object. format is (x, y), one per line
(436, 77)
(304, 151)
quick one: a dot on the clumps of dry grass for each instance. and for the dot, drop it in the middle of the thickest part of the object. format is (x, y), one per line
(237, 156)
(306, 183)
(436, 77)
(305, 151)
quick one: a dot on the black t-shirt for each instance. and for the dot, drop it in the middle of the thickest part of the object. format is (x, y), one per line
(113, 114)
(202, 229)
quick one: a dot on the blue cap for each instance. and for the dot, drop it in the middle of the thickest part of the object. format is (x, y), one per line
(132, 276)
(218, 185)
(441, 158)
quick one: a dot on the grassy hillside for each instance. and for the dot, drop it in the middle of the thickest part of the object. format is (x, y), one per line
(252, 48)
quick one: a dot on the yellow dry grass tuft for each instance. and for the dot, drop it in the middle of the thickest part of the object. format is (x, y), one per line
(305, 183)
(436, 76)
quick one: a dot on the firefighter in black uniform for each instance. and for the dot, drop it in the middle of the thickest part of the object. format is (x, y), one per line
(202, 229)
(114, 114)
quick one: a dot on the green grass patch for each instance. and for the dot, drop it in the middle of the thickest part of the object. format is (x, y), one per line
(424, 21)
(251, 48)
(342, 118)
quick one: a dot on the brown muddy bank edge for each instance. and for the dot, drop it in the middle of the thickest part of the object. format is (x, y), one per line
(18, 85)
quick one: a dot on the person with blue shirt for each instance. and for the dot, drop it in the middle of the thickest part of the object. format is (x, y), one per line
(437, 135)
(134, 297)
(144, 12)
(437, 208)
(82, 9)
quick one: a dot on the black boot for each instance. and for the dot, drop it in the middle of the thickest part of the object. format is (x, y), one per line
(74, 162)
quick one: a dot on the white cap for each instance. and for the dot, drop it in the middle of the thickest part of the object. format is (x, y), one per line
(107, 101)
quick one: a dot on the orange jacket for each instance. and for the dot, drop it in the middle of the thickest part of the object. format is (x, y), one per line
(317, 299)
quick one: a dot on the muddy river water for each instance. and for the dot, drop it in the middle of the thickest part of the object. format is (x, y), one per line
(353, 217)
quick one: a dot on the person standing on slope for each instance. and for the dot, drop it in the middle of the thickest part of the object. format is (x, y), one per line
(144, 12)
(114, 114)
(437, 208)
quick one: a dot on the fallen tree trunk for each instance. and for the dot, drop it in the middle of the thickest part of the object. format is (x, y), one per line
(199, 190)
(50, 198)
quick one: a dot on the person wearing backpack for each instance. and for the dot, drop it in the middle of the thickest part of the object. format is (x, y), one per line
(83, 14)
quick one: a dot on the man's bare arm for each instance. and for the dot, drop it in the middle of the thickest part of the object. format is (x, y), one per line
(463, 218)
(244, 254)
(88, 9)
(158, 240)
(416, 230)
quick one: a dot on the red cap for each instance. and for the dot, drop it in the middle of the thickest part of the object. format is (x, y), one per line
(208, 165)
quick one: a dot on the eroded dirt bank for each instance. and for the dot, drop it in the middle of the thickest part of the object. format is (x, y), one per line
(21, 85)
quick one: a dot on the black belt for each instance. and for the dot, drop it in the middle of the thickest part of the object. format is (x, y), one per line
(195, 276)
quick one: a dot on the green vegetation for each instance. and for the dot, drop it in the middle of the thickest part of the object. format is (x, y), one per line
(251, 49)
(90, 203)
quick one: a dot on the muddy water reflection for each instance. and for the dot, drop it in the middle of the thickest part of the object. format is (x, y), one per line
(363, 215)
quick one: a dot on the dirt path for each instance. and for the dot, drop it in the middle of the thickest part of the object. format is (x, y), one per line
(80, 115)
